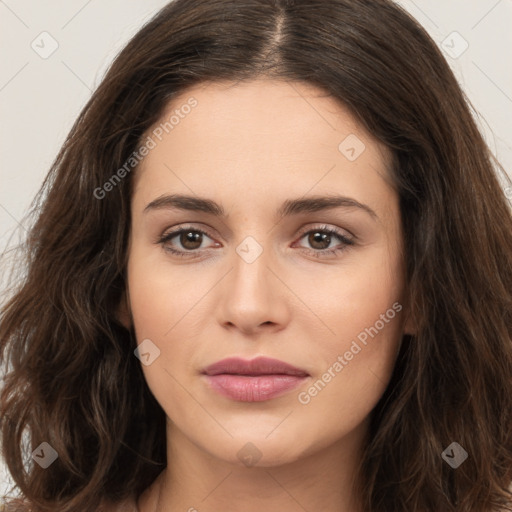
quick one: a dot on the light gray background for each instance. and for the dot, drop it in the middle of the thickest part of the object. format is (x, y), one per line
(40, 98)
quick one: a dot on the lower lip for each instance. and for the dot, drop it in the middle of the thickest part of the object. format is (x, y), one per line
(245, 388)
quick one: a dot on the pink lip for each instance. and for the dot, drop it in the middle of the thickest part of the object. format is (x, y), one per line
(253, 380)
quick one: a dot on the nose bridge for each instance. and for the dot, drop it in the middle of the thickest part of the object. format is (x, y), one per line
(251, 295)
(250, 263)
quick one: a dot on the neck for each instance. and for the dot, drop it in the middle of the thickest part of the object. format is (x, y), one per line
(194, 480)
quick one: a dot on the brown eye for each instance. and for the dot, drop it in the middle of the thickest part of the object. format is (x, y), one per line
(190, 240)
(320, 240)
(187, 240)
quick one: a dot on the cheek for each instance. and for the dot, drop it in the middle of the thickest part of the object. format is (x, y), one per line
(352, 383)
(161, 294)
(156, 311)
(351, 300)
(357, 357)
(167, 310)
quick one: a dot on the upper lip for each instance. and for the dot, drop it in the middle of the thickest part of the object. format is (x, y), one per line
(256, 366)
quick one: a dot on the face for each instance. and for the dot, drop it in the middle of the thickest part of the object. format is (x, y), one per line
(296, 255)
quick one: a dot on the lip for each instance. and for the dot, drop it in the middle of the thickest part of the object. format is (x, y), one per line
(257, 366)
(253, 380)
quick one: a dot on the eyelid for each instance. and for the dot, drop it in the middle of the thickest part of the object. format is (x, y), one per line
(325, 227)
(176, 230)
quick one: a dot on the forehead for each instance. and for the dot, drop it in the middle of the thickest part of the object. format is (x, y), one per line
(260, 134)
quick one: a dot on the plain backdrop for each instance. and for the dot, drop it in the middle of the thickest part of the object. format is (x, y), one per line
(41, 95)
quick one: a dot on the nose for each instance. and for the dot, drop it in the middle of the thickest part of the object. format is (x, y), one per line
(253, 297)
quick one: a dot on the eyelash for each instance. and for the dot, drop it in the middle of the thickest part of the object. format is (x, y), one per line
(319, 253)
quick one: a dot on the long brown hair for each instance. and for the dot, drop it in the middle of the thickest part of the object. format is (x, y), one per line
(71, 377)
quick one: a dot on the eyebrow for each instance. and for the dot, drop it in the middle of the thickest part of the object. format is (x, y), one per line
(288, 208)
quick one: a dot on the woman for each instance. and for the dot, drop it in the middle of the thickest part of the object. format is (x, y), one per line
(271, 269)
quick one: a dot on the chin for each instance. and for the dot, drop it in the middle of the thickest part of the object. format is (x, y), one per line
(257, 451)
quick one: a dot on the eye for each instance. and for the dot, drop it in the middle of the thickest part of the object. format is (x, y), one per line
(320, 240)
(189, 238)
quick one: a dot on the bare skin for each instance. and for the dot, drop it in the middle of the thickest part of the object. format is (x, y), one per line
(250, 147)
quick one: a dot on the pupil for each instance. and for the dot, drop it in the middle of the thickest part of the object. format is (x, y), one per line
(190, 239)
(320, 238)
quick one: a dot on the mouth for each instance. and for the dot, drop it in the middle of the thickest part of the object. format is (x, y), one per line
(253, 380)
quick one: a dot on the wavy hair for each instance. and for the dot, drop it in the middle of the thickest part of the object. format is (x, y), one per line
(71, 378)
